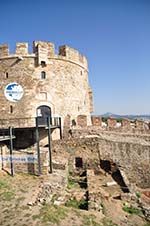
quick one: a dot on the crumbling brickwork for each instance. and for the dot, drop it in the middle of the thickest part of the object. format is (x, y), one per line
(96, 121)
(122, 125)
(111, 122)
(130, 155)
(139, 124)
(82, 120)
(126, 124)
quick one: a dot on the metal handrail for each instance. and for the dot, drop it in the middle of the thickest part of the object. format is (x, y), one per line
(54, 121)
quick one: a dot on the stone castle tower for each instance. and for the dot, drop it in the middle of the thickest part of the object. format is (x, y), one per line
(31, 83)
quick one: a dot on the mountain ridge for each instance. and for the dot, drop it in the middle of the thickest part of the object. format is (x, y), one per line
(128, 116)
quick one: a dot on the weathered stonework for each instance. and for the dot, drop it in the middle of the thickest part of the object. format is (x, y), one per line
(123, 126)
(82, 120)
(130, 155)
(126, 124)
(139, 124)
(96, 121)
(65, 88)
(111, 122)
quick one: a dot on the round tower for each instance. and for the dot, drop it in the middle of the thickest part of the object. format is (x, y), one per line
(43, 83)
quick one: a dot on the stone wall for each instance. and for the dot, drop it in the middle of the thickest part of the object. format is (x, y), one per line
(111, 122)
(131, 156)
(82, 121)
(98, 131)
(65, 89)
(26, 160)
(96, 121)
(124, 125)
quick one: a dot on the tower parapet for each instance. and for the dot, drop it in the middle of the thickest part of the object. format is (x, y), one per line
(58, 82)
(72, 55)
(22, 48)
(44, 51)
(4, 50)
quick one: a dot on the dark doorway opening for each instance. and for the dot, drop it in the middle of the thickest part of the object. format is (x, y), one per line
(43, 112)
(111, 168)
(105, 165)
(78, 162)
(119, 179)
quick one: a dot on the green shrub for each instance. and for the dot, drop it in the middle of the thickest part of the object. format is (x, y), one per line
(108, 222)
(90, 221)
(3, 184)
(72, 203)
(71, 183)
(104, 119)
(138, 194)
(147, 224)
(119, 120)
(82, 204)
(132, 210)
(53, 214)
(7, 196)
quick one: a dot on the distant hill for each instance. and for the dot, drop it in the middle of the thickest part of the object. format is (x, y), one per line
(132, 117)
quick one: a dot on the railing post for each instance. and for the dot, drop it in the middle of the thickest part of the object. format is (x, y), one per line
(49, 144)
(11, 151)
(38, 146)
(55, 122)
(3, 133)
(60, 128)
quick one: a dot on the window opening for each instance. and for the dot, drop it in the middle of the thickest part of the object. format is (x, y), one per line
(43, 75)
(11, 109)
(43, 63)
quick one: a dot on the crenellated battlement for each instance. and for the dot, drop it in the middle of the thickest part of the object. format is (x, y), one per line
(22, 48)
(72, 54)
(4, 50)
(43, 51)
(45, 82)
(121, 125)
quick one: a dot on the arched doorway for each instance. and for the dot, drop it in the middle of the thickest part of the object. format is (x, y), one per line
(43, 112)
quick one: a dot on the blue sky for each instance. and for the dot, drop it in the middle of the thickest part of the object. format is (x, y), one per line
(113, 34)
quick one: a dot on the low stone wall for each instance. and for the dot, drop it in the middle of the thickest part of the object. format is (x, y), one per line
(26, 161)
(130, 154)
(96, 121)
(112, 123)
(82, 120)
(94, 130)
(123, 125)
(132, 157)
